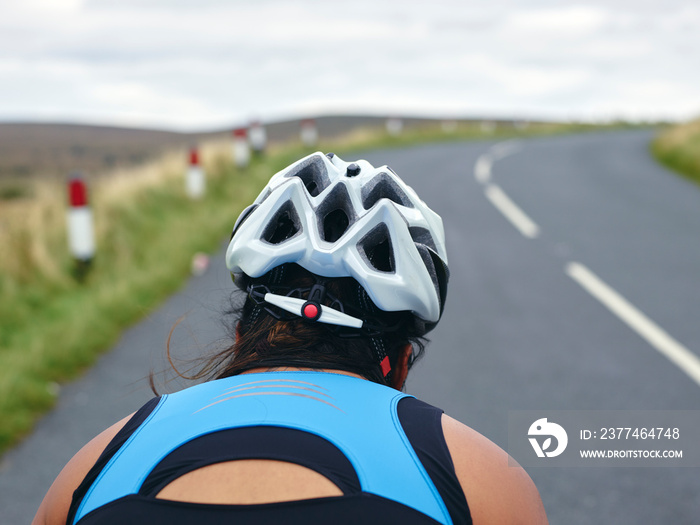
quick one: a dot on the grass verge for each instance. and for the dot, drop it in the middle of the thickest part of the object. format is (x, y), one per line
(678, 148)
(52, 327)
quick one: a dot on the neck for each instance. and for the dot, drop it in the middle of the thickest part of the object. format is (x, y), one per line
(297, 369)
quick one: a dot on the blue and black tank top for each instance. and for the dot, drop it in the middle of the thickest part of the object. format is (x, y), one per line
(384, 450)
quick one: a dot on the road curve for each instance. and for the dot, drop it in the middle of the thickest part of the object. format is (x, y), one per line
(519, 332)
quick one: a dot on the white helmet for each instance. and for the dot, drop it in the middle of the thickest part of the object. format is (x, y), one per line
(340, 219)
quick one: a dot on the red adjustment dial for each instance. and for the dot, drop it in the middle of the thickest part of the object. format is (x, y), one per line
(311, 311)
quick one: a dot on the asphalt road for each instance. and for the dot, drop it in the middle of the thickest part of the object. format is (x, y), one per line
(519, 331)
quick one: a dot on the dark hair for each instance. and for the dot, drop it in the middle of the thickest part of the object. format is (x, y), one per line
(262, 340)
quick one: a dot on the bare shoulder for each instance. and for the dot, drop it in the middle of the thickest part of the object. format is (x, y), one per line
(497, 492)
(54, 509)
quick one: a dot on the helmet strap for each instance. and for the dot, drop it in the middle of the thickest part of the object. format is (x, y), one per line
(274, 277)
(377, 341)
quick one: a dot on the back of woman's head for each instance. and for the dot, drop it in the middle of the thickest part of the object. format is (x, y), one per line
(342, 265)
(269, 336)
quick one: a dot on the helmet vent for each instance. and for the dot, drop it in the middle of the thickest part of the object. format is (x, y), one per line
(438, 271)
(422, 236)
(334, 225)
(376, 249)
(313, 174)
(284, 225)
(335, 214)
(383, 187)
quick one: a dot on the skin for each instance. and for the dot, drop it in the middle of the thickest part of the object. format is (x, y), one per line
(497, 491)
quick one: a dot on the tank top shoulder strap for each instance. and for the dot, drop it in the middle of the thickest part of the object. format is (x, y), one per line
(357, 416)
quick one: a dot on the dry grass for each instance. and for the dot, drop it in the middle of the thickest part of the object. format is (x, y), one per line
(33, 227)
(678, 147)
(122, 184)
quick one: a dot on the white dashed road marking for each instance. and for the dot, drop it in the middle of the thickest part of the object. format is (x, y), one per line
(636, 320)
(503, 203)
(659, 339)
(510, 210)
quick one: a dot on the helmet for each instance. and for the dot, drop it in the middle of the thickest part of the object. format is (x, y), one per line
(340, 219)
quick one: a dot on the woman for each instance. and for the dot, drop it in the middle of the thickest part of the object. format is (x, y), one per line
(344, 270)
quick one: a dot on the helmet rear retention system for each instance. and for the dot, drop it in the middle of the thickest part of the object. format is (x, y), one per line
(339, 219)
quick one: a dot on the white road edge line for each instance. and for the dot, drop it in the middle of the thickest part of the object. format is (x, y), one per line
(510, 210)
(482, 168)
(505, 148)
(675, 352)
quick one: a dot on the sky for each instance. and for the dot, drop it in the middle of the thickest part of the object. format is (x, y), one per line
(193, 65)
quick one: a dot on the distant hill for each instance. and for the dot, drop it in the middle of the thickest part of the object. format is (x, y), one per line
(55, 149)
(35, 149)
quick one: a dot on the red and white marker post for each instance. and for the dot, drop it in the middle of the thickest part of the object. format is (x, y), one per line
(195, 183)
(81, 232)
(394, 126)
(241, 149)
(257, 136)
(309, 132)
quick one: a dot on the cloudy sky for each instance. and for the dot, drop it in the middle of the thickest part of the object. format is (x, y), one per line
(201, 64)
